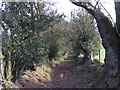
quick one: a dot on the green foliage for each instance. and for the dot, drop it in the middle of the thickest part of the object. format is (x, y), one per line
(30, 36)
(24, 25)
(86, 39)
(55, 39)
(53, 51)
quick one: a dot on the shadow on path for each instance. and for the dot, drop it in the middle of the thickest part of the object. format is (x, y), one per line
(63, 76)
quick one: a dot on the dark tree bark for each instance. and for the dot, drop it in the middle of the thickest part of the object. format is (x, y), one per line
(86, 55)
(108, 34)
(117, 8)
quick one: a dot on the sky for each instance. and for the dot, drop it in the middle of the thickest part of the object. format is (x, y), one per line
(65, 6)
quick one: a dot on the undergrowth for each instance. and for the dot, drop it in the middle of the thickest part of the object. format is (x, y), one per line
(94, 76)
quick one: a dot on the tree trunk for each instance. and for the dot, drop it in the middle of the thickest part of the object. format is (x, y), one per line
(77, 54)
(109, 37)
(117, 8)
(5, 51)
(86, 55)
(110, 43)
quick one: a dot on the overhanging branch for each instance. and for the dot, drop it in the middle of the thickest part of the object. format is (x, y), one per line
(86, 5)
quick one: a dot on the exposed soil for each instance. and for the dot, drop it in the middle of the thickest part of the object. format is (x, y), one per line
(68, 74)
(63, 76)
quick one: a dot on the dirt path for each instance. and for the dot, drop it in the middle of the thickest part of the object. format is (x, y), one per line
(63, 76)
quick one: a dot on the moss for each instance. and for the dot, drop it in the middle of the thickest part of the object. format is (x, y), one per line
(107, 21)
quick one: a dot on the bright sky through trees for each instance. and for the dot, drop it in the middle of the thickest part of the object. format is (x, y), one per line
(65, 6)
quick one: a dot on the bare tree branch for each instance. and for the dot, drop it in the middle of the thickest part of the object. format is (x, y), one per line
(86, 5)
